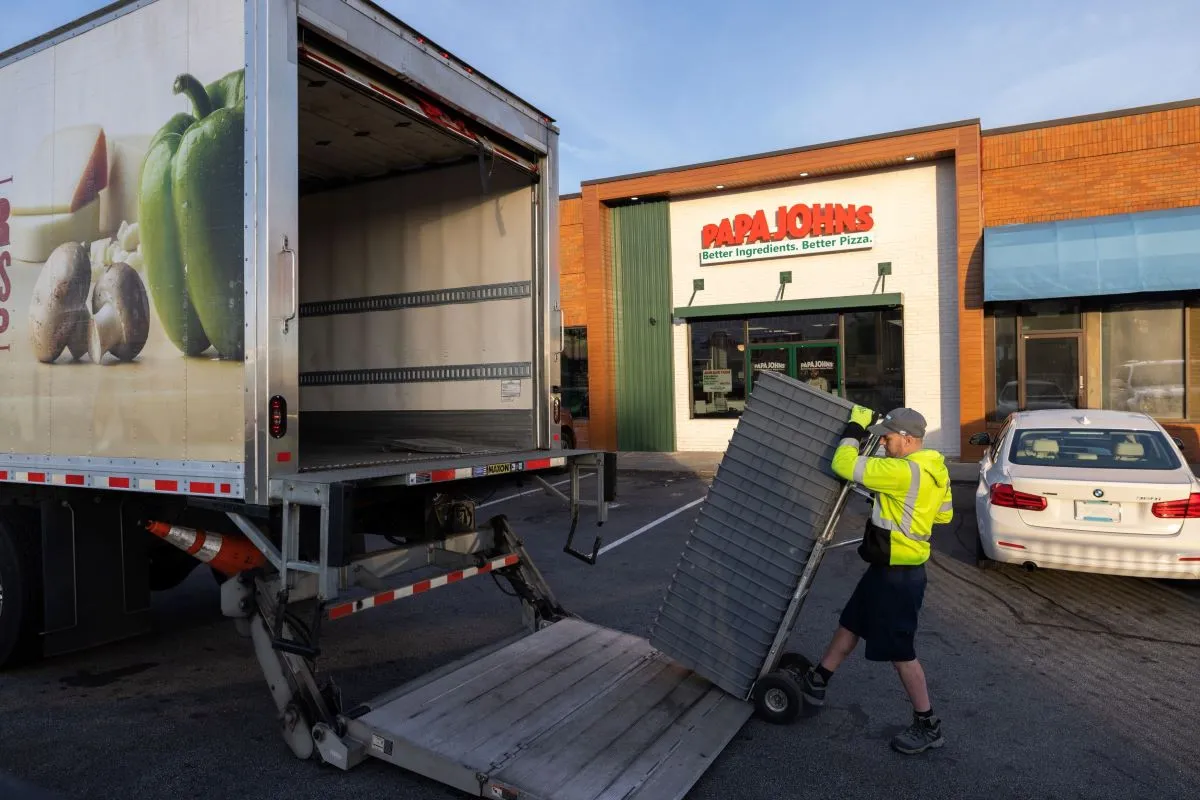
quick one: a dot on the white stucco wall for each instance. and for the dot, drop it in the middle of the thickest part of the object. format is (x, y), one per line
(914, 213)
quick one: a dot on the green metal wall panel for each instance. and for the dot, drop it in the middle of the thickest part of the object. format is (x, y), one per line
(644, 365)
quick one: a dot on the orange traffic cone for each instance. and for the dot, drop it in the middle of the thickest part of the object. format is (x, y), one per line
(226, 554)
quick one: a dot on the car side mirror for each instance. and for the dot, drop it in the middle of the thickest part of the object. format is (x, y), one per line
(1178, 442)
(980, 439)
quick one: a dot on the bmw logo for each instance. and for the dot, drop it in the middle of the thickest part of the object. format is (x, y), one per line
(1098, 493)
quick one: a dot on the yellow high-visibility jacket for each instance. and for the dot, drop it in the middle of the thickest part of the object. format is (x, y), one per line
(911, 495)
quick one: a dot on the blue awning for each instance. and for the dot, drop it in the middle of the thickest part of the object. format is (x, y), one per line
(1150, 251)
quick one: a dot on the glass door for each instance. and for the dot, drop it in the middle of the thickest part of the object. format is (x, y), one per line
(819, 365)
(1051, 374)
(771, 358)
(816, 364)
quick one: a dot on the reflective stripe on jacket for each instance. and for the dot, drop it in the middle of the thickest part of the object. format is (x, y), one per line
(911, 495)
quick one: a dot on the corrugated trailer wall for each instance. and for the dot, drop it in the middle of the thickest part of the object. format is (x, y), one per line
(643, 314)
(377, 257)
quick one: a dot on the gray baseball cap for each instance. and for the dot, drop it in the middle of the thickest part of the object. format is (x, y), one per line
(904, 421)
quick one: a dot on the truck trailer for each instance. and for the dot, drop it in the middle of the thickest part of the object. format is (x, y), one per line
(279, 299)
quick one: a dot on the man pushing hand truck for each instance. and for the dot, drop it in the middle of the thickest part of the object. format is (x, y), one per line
(911, 493)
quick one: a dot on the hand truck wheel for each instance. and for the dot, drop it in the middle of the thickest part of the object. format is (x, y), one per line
(777, 697)
(796, 664)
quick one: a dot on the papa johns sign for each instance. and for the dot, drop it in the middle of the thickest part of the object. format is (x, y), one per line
(807, 229)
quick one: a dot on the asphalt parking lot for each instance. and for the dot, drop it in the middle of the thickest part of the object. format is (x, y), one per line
(1049, 684)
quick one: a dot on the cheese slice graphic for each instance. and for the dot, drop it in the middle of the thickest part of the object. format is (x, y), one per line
(64, 174)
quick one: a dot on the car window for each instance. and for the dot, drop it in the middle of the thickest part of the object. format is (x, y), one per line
(999, 441)
(1092, 448)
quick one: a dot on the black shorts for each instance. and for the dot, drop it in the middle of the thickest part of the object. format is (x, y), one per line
(883, 611)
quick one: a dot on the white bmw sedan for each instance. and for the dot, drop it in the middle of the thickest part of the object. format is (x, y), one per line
(1088, 490)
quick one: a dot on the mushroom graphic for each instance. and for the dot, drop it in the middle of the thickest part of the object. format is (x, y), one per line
(58, 316)
(120, 314)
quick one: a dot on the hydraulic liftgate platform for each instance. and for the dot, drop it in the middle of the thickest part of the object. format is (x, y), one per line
(575, 711)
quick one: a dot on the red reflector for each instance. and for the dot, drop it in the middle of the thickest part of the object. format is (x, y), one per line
(337, 612)
(541, 463)
(226, 488)
(422, 586)
(1005, 496)
(3, 475)
(37, 477)
(1010, 544)
(442, 475)
(76, 480)
(118, 483)
(1188, 508)
(204, 488)
(166, 486)
(454, 577)
(283, 458)
(1190, 558)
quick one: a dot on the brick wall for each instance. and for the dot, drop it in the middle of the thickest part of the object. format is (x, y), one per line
(1139, 162)
(573, 283)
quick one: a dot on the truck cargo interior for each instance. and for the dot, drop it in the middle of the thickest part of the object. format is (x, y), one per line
(416, 265)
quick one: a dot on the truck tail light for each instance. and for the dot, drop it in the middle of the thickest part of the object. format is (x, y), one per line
(1006, 496)
(277, 424)
(1188, 508)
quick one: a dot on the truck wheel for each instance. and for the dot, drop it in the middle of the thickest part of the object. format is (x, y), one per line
(777, 698)
(20, 590)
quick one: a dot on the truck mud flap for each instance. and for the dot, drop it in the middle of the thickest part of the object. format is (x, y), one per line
(574, 711)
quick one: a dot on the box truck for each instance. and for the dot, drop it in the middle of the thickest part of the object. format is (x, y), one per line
(279, 296)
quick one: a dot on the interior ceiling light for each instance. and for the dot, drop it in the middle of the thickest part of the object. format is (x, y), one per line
(910, 158)
(803, 174)
(720, 186)
(633, 198)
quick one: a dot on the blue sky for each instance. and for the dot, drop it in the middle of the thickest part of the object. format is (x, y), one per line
(639, 85)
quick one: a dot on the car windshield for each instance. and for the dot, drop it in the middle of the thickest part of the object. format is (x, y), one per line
(1092, 448)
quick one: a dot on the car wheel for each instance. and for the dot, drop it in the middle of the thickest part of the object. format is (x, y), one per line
(981, 558)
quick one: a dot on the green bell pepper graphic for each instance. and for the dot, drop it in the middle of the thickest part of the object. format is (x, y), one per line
(191, 221)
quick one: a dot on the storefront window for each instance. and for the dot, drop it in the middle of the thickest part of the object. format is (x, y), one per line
(794, 328)
(874, 358)
(867, 368)
(1006, 366)
(575, 372)
(1121, 356)
(1143, 351)
(718, 368)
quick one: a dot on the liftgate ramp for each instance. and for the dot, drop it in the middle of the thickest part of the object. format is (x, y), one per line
(577, 711)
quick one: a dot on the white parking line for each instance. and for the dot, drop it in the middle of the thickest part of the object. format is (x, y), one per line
(534, 491)
(649, 525)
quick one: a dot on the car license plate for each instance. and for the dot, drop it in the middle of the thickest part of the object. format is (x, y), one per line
(1097, 511)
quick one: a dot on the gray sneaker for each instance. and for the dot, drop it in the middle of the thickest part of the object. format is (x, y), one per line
(922, 735)
(812, 688)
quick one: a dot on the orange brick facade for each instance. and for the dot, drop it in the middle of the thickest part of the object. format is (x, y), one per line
(1110, 166)
(572, 278)
(1087, 168)
(1135, 161)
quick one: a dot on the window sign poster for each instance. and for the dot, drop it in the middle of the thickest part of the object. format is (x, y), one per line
(717, 381)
